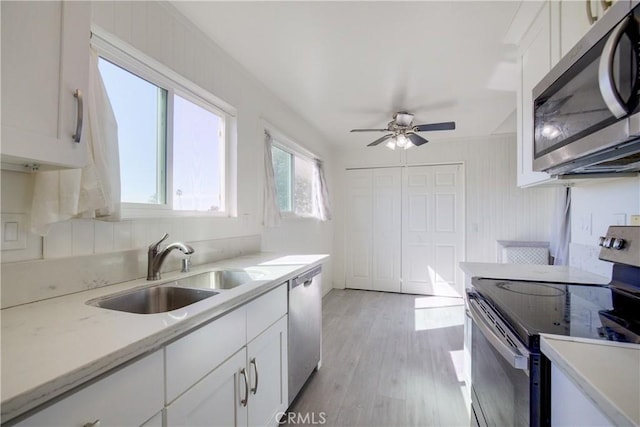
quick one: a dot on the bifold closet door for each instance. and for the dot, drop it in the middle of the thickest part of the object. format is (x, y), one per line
(373, 230)
(432, 229)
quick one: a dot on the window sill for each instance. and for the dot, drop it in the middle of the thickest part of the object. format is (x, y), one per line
(133, 213)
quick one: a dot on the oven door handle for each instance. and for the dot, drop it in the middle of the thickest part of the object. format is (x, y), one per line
(514, 357)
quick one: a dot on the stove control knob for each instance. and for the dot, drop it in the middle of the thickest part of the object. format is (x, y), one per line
(618, 244)
(601, 241)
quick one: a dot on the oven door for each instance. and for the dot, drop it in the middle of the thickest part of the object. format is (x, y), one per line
(500, 370)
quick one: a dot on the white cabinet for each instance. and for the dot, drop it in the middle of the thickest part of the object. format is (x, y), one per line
(535, 58)
(574, 20)
(216, 399)
(233, 371)
(268, 375)
(45, 59)
(570, 406)
(129, 397)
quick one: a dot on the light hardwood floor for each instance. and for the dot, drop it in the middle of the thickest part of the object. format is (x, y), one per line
(388, 360)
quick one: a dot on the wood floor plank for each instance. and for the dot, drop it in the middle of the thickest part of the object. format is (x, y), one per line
(388, 360)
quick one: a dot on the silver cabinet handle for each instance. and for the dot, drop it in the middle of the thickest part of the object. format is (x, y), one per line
(244, 401)
(96, 423)
(605, 72)
(590, 16)
(80, 116)
(254, 389)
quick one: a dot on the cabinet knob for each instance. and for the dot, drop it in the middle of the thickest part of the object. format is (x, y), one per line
(254, 389)
(80, 116)
(245, 400)
(590, 16)
(601, 241)
(96, 423)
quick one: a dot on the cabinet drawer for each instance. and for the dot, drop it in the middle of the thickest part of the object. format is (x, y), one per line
(192, 357)
(266, 310)
(128, 397)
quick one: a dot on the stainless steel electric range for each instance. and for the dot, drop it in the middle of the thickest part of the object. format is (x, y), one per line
(510, 376)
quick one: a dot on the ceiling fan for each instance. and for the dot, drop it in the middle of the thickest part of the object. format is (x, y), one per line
(403, 131)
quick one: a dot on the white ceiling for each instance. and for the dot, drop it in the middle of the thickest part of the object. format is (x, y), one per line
(345, 65)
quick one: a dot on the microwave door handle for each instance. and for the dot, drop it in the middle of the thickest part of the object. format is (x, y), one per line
(515, 358)
(605, 72)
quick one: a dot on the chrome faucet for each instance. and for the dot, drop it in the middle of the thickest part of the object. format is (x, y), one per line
(155, 256)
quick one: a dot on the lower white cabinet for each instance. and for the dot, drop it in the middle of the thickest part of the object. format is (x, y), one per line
(570, 406)
(216, 399)
(250, 388)
(268, 374)
(131, 396)
(232, 371)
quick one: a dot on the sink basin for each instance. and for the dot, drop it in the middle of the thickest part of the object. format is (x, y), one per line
(157, 299)
(220, 279)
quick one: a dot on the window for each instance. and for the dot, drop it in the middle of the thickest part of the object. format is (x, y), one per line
(294, 181)
(172, 141)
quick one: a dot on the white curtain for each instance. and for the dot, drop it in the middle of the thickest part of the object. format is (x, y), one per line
(561, 226)
(272, 216)
(94, 190)
(321, 192)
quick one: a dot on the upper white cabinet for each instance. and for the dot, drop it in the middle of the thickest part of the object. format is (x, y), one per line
(534, 63)
(45, 62)
(575, 20)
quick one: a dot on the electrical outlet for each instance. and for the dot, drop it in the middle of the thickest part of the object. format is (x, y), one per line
(635, 220)
(14, 234)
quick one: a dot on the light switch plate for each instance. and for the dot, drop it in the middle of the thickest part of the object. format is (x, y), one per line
(13, 231)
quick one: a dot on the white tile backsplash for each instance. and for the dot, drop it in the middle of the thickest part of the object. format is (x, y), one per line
(104, 232)
(82, 237)
(585, 257)
(28, 281)
(58, 241)
(122, 238)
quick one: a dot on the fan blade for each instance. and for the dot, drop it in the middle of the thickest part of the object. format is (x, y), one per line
(369, 130)
(416, 139)
(435, 126)
(380, 140)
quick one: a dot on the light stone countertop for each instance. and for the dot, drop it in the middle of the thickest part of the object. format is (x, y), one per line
(608, 373)
(50, 347)
(532, 272)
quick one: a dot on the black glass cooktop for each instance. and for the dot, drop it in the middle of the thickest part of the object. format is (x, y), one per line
(585, 311)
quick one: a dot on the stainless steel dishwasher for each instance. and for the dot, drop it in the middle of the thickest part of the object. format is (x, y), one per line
(305, 328)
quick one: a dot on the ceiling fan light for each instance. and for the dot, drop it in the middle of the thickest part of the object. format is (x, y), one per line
(391, 144)
(402, 141)
(408, 145)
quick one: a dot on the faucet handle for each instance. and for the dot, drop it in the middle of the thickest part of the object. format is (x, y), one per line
(154, 246)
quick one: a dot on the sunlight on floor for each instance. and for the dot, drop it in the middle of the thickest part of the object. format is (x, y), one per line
(438, 312)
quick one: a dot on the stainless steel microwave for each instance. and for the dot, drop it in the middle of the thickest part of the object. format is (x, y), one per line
(586, 110)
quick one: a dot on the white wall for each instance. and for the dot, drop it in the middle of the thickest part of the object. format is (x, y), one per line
(159, 31)
(496, 209)
(595, 205)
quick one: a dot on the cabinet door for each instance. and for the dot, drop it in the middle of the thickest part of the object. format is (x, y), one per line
(45, 58)
(127, 397)
(216, 399)
(268, 373)
(535, 63)
(573, 23)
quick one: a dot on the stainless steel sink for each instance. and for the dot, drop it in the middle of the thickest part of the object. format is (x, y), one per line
(156, 299)
(220, 279)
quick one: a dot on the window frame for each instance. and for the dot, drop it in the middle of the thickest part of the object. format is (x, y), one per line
(287, 145)
(141, 65)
